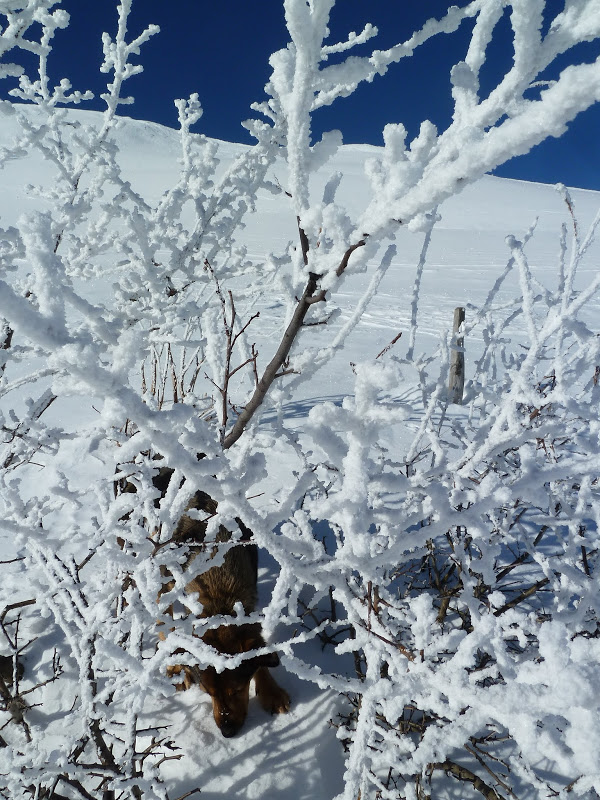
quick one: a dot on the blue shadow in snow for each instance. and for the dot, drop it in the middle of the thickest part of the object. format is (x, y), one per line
(299, 409)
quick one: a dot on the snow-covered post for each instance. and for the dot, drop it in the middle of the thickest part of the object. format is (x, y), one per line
(6, 334)
(456, 380)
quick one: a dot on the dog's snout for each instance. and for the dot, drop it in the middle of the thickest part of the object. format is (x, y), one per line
(228, 727)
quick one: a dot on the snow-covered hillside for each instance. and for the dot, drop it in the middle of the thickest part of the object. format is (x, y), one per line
(297, 755)
(468, 250)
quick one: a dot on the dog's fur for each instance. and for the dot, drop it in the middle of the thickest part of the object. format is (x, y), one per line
(219, 589)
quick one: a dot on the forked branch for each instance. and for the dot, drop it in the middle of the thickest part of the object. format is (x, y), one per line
(311, 295)
(231, 339)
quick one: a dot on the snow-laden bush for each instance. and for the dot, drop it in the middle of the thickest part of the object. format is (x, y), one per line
(471, 559)
(460, 574)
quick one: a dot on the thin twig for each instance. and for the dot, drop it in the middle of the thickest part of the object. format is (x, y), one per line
(523, 596)
(389, 346)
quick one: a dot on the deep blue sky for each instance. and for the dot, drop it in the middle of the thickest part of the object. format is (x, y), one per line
(220, 49)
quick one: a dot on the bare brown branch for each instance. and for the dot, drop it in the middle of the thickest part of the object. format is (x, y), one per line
(464, 774)
(347, 254)
(312, 294)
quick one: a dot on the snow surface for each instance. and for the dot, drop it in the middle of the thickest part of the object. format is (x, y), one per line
(298, 755)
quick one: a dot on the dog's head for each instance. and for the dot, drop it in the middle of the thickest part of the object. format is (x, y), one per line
(229, 690)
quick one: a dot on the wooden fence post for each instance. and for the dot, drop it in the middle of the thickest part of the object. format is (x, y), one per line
(6, 334)
(456, 382)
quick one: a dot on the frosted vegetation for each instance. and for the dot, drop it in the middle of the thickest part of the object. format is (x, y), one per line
(452, 578)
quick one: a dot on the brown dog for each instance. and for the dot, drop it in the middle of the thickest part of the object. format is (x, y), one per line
(219, 589)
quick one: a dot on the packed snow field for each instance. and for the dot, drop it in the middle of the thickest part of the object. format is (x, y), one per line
(298, 755)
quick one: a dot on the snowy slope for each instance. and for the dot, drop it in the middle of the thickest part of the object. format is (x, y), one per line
(297, 755)
(468, 247)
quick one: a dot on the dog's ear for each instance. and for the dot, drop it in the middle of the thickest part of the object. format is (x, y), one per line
(252, 642)
(249, 667)
(267, 660)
